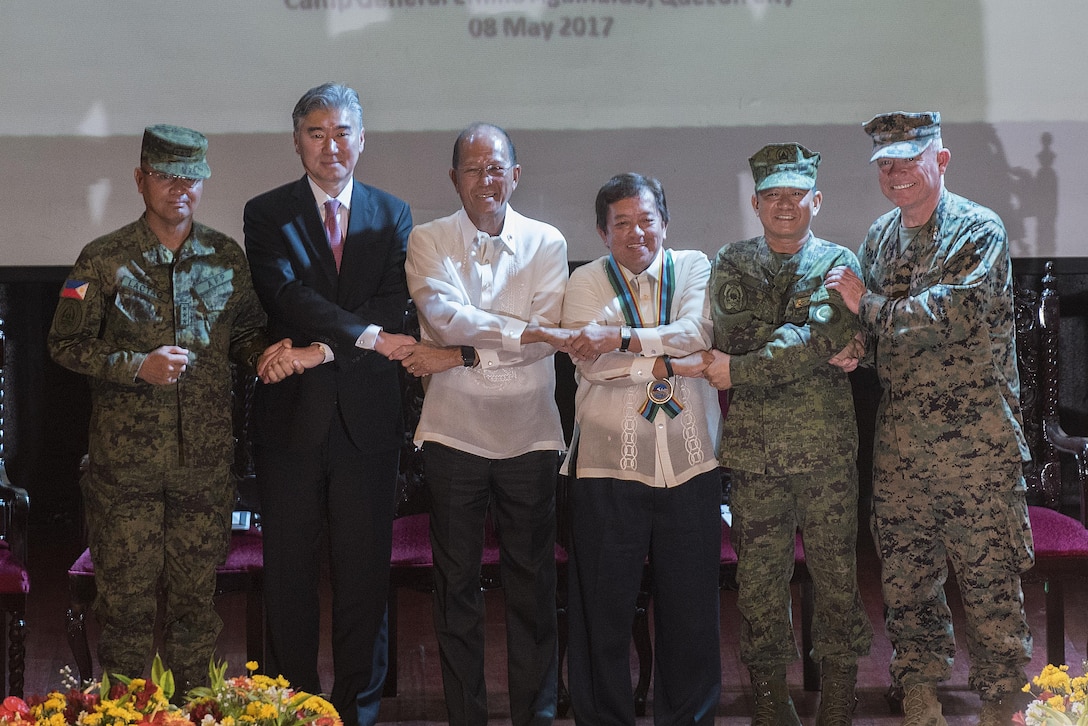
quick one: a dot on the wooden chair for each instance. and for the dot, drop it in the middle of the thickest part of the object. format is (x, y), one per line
(242, 571)
(14, 578)
(1061, 539)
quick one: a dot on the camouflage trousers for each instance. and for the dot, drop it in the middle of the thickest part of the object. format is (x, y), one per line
(767, 510)
(155, 530)
(922, 524)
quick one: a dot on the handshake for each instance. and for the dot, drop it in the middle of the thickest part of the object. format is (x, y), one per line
(423, 358)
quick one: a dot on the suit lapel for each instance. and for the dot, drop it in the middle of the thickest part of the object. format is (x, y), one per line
(313, 231)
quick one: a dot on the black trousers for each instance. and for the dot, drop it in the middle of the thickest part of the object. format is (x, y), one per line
(616, 526)
(520, 492)
(349, 493)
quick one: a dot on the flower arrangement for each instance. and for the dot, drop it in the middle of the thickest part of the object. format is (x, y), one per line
(249, 700)
(1060, 699)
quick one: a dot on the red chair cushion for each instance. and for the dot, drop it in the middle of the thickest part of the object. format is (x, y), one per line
(1057, 535)
(14, 578)
(412, 543)
(245, 555)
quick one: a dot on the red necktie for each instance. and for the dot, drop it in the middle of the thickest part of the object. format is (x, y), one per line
(332, 230)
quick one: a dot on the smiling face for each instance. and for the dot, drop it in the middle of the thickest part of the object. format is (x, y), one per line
(914, 185)
(786, 214)
(634, 231)
(484, 178)
(329, 142)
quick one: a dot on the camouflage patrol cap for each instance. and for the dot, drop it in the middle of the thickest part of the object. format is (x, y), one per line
(902, 135)
(175, 150)
(784, 165)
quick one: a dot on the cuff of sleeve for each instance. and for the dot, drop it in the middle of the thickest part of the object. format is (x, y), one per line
(511, 335)
(650, 340)
(738, 369)
(369, 338)
(326, 351)
(869, 310)
(642, 369)
(488, 358)
(137, 363)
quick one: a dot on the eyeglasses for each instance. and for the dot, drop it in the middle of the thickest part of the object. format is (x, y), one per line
(171, 179)
(491, 170)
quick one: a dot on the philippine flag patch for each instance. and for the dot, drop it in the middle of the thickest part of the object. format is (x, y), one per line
(75, 289)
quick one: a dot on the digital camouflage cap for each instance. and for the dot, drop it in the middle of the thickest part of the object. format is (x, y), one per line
(784, 165)
(902, 135)
(175, 150)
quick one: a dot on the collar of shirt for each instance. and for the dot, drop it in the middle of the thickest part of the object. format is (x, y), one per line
(344, 197)
(651, 273)
(508, 235)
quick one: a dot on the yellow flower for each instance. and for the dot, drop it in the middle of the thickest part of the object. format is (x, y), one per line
(251, 665)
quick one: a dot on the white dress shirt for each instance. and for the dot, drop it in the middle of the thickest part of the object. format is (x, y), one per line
(613, 439)
(472, 290)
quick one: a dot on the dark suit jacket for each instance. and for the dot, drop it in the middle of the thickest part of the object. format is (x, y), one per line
(306, 301)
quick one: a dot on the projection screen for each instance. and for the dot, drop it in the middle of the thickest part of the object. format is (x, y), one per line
(685, 90)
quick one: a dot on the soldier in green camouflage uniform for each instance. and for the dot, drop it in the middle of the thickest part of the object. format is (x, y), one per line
(790, 437)
(153, 314)
(935, 302)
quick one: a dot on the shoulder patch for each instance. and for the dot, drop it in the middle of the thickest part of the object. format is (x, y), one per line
(733, 297)
(74, 289)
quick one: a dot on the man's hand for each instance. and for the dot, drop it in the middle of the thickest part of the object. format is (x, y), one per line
(281, 360)
(848, 284)
(392, 345)
(692, 365)
(425, 359)
(558, 338)
(164, 365)
(848, 358)
(593, 340)
(717, 373)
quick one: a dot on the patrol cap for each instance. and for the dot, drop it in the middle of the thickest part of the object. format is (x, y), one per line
(784, 165)
(902, 135)
(175, 150)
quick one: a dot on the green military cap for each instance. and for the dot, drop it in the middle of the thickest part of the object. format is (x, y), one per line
(902, 135)
(175, 150)
(784, 165)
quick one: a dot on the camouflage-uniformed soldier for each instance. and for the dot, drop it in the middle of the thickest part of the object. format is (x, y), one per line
(153, 313)
(790, 437)
(935, 302)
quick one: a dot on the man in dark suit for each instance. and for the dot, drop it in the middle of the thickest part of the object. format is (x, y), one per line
(327, 257)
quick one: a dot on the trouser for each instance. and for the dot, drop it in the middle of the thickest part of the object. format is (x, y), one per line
(920, 524)
(520, 493)
(767, 511)
(616, 525)
(168, 526)
(348, 492)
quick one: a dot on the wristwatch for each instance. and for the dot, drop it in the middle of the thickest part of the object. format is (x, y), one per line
(468, 356)
(625, 337)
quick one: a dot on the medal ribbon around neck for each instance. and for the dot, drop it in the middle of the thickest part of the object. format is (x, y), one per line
(633, 316)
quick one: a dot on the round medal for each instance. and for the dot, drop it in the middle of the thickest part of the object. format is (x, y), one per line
(659, 391)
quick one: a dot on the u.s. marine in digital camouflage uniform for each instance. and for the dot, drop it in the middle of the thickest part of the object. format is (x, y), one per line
(155, 329)
(790, 437)
(937, 309)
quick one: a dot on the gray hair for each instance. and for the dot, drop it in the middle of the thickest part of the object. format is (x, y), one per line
(327, 96)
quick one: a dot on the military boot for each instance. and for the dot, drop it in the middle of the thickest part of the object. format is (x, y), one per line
(774, 707)
(921, 707)
(837, 699)
(1000, 712)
